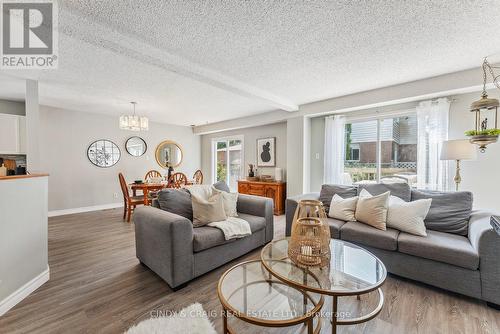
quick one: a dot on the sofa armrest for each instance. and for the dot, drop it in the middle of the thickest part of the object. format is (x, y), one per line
(164, 243)
(258, 206)
(487, 243)
(291, 206)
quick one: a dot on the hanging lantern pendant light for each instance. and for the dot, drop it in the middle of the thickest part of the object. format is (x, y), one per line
(482, 135)
(134, 122)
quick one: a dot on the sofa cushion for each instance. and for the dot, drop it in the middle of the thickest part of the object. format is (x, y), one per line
(206, 237)
(439, 246)
(177, 201)
(401, 190)
(335, 225)
(328, 190)
(449, 212)
(370, 236)
(222, 186)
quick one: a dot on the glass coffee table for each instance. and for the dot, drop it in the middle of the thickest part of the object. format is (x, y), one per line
(250, 293)
(353, 271)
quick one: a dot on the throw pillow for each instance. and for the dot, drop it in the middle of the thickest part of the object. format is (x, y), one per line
(207, 211)
(200, 190)
(408, 216)
(372, 210)
(343, 208)
(449, 212)
(177, 201)
(221, 185)
(230, 201)
(328, 190)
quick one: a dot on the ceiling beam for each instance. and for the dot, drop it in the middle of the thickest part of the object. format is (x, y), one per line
(76, 25)
(429, 88)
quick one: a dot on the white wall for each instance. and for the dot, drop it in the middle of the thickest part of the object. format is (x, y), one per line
(317, 152)
(250, 136)
(74, 181)
(481, 176)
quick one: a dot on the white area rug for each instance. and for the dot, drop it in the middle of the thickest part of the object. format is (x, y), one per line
(192, 319)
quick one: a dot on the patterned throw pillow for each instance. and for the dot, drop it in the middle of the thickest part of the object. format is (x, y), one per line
(408, 216)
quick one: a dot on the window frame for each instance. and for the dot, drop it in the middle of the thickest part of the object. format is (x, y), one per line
(358, 148)
(379, 117)
(213, 164)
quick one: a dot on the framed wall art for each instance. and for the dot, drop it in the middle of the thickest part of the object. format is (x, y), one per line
(266, 152)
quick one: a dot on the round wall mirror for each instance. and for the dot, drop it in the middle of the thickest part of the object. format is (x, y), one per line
(168, 153)
(103, 153)
(136, 146)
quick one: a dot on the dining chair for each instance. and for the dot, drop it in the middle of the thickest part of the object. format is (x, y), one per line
(198, 177)
(177, 180)
(152, 173)
(129, 202)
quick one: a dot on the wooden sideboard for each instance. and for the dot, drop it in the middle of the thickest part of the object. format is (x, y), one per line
(274, 190)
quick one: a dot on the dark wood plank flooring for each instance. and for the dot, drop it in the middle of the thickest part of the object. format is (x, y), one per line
(98, 286)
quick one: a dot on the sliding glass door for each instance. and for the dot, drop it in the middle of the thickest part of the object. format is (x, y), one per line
(381, 149)
(227, 159)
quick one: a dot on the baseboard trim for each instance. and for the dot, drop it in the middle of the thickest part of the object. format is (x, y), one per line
(24, 291)
(55, 213)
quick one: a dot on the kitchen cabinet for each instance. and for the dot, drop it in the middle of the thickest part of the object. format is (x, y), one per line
(12, 134)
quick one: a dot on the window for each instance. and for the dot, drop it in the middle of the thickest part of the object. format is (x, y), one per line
(382, 150)
(228, 161)
(354, 153)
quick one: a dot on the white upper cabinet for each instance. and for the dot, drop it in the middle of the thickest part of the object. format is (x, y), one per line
(12, 134)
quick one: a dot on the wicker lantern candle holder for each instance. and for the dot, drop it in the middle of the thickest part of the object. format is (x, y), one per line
(310, 239)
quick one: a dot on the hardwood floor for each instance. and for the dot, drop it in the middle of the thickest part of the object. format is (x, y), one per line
(98, 286)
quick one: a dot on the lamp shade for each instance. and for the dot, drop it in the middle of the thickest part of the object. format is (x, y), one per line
(459, 149)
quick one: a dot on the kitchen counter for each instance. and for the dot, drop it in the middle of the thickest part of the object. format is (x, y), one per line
(23, 237)
(14, 177)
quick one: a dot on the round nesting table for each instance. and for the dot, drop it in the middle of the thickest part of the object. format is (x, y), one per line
(249, 292)
(352, 271)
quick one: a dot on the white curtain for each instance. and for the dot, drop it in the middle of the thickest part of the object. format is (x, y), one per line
(334, 150)
(432, 120)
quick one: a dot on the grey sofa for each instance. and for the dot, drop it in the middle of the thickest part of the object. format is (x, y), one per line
(462, 257)
(167, 243)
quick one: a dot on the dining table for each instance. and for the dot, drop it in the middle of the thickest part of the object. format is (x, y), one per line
(147, 187)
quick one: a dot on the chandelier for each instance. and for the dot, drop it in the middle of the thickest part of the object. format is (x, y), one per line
(134, 122)
(484, 134)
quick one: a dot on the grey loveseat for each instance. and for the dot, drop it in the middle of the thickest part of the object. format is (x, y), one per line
(461, 252)
(167, 243)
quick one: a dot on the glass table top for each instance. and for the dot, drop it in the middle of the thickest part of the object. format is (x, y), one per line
(250, 291)
(352, 269)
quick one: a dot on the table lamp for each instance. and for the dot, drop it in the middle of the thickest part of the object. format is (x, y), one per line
(458, 150)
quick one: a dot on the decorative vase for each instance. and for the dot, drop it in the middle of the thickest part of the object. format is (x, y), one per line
(3, 170)
(278, 174)
(309, 244)
(250, 170)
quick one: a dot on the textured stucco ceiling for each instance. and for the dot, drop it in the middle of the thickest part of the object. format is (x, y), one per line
(193, 62)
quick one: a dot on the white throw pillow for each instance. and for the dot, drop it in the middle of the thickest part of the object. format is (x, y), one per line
(230, 201)
(207, 211)
(343, 208)
(203, 191)
(408, 216)
(372, 210)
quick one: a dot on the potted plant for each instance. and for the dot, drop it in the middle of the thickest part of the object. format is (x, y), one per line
(483, 137)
